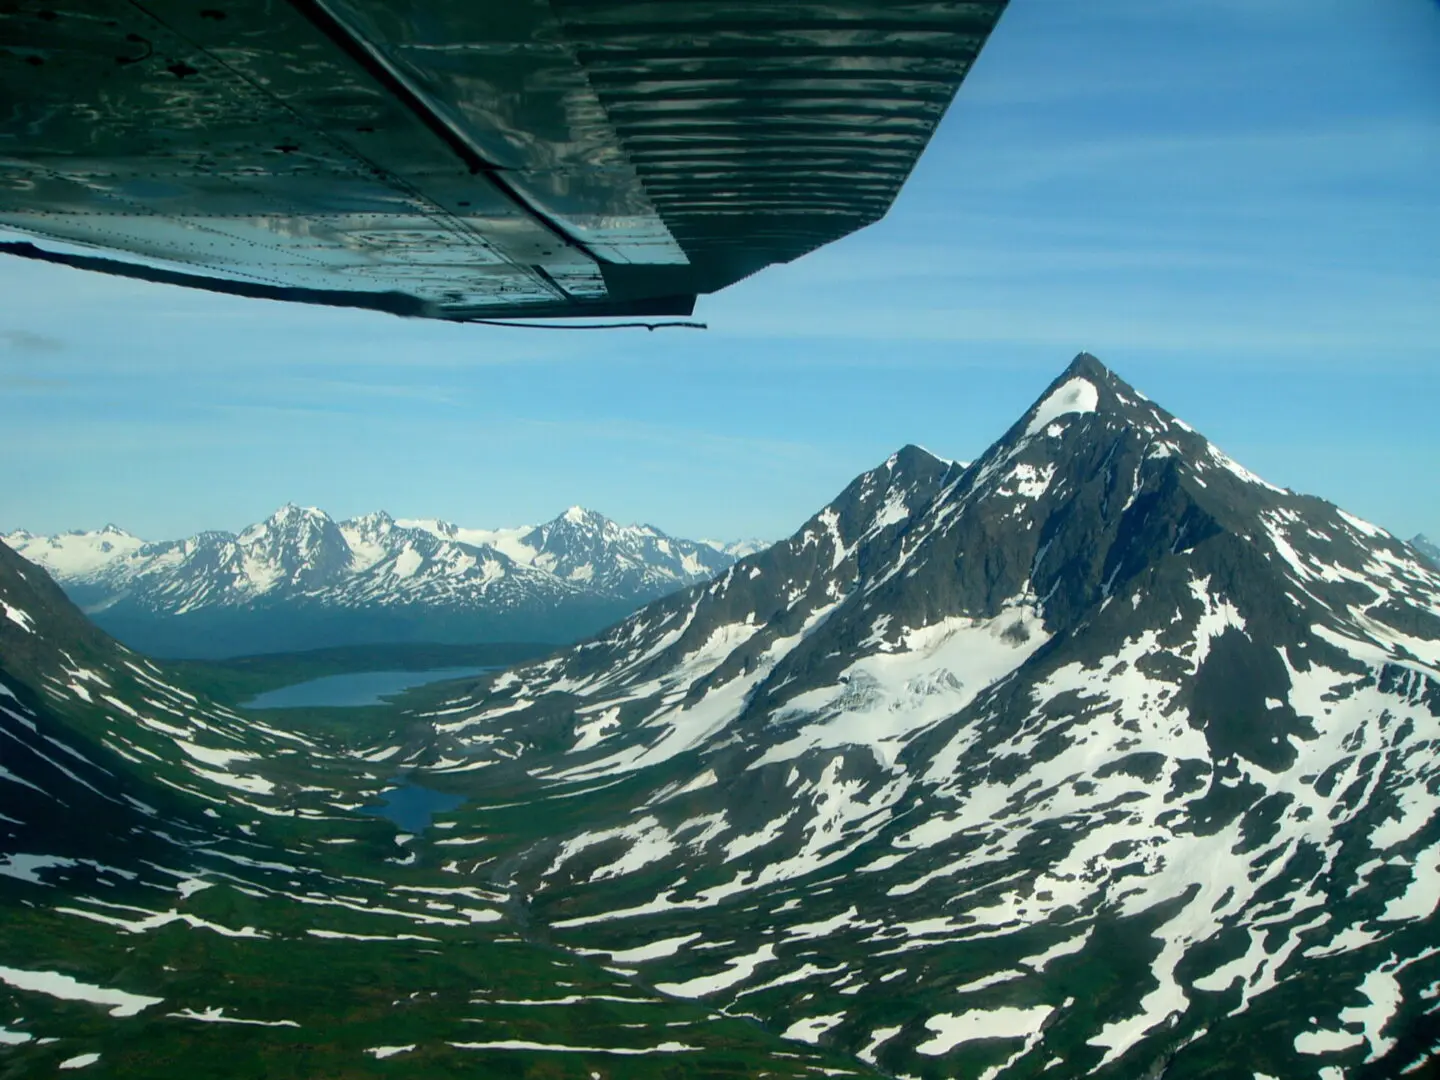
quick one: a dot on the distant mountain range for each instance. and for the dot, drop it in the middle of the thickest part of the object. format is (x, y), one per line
(300, 579)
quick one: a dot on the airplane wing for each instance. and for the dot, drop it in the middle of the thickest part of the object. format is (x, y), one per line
(464, 159)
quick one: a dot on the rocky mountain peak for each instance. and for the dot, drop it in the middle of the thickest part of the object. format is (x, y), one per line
(1088, 393)
(579, 525)
(1097, 493)
(300, 546)
(374, 524)
(289, 524)
(1101, 710)
(913, 459)
(290, 516)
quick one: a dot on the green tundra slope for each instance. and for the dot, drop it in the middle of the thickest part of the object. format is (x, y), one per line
(186, 891)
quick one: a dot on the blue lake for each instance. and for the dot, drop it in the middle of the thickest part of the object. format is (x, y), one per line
(411, 806)
(358, 688)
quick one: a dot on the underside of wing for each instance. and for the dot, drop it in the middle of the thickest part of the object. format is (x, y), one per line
(465, 159)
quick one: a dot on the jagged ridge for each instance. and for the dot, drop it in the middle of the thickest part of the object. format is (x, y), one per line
(302, 574)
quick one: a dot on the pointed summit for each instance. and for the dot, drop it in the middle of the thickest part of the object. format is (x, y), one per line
(1087, 365)
(285, 515)
(1085, 416)
(1087, 370)
(292, 512)
(912, 456)
(1087, 386)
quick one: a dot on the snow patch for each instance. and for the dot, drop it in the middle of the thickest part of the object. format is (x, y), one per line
(19, 618)
(1077, 395)
(383, 1052)
(737, 970)
(217, 1016)
(66, 988)
(812, 1028)
(1004, 1023)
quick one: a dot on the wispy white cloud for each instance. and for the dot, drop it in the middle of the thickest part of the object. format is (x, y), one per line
(26, 361)
(27, 341)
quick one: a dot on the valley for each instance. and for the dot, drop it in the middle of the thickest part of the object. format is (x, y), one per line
(238, 679)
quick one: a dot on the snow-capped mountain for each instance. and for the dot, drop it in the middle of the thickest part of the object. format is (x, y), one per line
(738, 549)
(301, 579)
(1098, 757)
(587, 548)
(1101, 755)
(75, 555)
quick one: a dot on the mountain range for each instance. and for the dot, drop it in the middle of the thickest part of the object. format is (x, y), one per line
(302, 580)
(1100, 756)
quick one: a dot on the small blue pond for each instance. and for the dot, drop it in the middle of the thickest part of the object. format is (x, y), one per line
(358, 688)
(411, 806)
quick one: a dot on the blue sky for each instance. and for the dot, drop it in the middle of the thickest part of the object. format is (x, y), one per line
(1233, 203)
